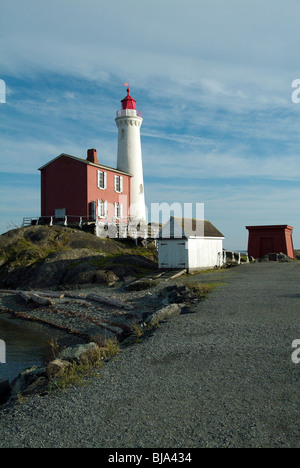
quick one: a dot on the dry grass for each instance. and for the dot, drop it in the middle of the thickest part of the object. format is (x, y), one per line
(202, 290)
(80, 373)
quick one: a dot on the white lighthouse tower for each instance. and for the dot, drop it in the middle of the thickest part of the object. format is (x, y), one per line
(129, 122)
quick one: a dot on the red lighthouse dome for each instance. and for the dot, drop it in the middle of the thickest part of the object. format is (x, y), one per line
(128, 102)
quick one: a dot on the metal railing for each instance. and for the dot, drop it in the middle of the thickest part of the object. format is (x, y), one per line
(128, 113)
(51, 220)
(114, 227)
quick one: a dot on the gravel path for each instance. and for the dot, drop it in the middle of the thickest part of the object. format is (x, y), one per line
(221, 377)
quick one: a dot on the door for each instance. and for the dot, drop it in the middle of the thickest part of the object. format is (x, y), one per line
(266, 246)
(173, 254)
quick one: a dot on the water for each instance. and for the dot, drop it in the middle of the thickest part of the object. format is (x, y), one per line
(27, 344)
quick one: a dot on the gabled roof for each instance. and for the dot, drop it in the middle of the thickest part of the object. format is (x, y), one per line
(189, 227)
(84, 161)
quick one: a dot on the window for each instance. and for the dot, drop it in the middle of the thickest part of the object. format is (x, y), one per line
(102, 209)
(60, 213)
(102, 180)
(118, 210)
(118, 184)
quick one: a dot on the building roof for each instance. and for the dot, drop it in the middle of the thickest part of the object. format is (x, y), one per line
(272, 226)
(190, 227)
(128, 102)
(84, 161)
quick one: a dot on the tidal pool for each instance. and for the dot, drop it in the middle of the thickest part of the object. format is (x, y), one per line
(28, 344)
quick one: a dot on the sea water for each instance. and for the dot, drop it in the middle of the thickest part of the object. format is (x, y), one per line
(27, 344)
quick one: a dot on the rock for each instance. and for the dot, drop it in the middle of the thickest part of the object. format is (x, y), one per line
(80, 274)
(140, 285)
(281, 257)
(57, 367)
(276, 257)
(81, 353)
(37, 386)
(5, 391)
(26, 379)
(106, 277)
(137, 262)
(123, 271)
(177, 294)
(166, 312)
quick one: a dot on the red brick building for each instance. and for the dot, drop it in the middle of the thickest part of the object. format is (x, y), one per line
(83, 190)
(264, 240)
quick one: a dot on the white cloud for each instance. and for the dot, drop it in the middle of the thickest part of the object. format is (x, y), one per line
(213, 80)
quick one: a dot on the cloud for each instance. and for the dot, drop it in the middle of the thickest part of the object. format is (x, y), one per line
(213, 80)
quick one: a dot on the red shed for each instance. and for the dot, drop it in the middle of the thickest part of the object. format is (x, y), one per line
(270, 239)
(83, 188)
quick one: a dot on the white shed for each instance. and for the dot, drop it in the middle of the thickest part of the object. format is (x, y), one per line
(189, 243)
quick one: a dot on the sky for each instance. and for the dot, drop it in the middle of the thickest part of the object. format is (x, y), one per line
(215, 80)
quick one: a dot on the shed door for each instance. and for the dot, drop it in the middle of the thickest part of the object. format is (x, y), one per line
(173, 254)
(266, 246)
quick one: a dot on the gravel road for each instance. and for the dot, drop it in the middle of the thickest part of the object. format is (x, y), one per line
(221, 377)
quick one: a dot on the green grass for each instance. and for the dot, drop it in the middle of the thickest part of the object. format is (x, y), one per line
(24, 253)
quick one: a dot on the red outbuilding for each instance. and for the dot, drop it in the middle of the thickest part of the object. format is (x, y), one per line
(80, 190)
(264, 240)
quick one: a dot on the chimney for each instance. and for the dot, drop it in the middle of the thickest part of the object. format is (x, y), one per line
(92, 156)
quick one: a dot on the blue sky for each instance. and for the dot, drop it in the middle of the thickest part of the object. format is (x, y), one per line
(213, 80)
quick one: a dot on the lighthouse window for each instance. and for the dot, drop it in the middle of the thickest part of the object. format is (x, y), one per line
(101, 180)
(118, 184)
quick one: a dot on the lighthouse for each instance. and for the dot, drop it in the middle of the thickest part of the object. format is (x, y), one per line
(129, 160)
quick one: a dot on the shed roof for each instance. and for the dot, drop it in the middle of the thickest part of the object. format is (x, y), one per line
(190, 227)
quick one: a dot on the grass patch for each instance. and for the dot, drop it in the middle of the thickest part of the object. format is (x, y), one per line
(138, 332)
(79, 373)
(25, 253)
(201, 291)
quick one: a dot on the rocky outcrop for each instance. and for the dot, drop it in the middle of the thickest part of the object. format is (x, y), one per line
(43, 257)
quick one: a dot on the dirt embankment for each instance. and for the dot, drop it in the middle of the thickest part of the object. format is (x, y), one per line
(50, 257)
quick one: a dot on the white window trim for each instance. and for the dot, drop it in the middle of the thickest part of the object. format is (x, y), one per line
(120, 179)
(118, 207)
(104, 180)
(104, 206)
